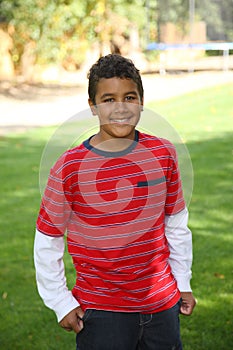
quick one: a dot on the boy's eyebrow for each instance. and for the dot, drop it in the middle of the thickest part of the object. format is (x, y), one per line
(106, 95)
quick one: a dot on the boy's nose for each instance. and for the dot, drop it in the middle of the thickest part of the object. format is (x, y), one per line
(120, 107)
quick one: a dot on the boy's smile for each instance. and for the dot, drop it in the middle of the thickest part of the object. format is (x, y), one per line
(118, 106)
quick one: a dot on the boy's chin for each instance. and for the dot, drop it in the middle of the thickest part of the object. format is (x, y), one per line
(123, 131)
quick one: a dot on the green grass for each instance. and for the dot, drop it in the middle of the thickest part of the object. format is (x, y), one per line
(204, 119)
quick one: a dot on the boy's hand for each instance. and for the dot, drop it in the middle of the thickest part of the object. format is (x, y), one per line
(188, 303)
(73, 320)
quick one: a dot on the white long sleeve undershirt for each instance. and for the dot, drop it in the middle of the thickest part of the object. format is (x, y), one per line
(50, 274)
(179, 239)
(50, 271)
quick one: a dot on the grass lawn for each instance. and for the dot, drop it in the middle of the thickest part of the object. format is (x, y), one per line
(204, 120)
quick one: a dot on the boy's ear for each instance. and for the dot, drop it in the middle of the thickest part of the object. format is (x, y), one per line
(142, 104)
(93, 107)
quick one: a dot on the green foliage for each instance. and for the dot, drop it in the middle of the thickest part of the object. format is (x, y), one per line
(216, 52)
(53, 26)
(58, 31)
(173, 11)
(218, 14)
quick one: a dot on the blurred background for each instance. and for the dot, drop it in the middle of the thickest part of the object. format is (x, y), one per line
(48, 40)
(184, 50)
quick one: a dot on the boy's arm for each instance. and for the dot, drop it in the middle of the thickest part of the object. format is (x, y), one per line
(50, 275)
(179, 239)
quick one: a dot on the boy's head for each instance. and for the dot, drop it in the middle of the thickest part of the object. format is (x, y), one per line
(111, 66)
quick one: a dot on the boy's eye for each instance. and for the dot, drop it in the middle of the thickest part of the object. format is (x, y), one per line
(108, 100)
(130, 98)
(127, 99)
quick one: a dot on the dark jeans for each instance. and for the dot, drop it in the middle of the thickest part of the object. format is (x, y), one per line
(105, 330)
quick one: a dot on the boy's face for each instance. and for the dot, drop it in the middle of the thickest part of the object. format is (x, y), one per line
(118, 106)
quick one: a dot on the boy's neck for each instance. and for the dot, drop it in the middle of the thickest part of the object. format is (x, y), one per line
(112, 144)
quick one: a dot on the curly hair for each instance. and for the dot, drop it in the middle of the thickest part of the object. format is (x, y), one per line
(110, 66)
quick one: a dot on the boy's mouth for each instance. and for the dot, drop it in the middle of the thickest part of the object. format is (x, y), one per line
(120, 120)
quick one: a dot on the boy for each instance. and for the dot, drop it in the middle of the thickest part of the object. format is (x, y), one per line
(119, 197)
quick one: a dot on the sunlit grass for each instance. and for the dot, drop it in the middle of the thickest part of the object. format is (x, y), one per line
(199, 115)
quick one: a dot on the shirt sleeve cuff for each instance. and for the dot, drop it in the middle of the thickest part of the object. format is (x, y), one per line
(183, 283)
(65, 306)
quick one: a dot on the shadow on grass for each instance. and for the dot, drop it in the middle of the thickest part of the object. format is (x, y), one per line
(26, 323)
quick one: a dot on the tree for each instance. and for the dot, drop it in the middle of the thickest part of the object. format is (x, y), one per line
(52, 26)
(61, 30)
(218, 15)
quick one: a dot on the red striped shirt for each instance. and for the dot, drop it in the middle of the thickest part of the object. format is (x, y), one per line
(113, 205)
